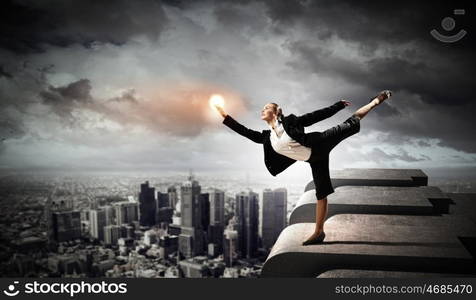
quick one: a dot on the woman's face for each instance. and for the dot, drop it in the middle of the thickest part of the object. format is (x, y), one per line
(268, 113)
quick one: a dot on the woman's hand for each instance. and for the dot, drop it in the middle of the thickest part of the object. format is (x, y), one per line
(346, 103)
(221, 111)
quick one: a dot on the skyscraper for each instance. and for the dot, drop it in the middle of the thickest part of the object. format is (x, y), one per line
(66, 225)
(173, 197)
(126, 212)
(60, 202)
(147, 205)
(164, 215)
(97, 222)
(191, 238)
(162, 200)
(164, 210)
(246, 211)
(273, 215)
(110, 214)
(204, 210)
(217, 220)
(217, 207)
(190, 204)
(215, 238)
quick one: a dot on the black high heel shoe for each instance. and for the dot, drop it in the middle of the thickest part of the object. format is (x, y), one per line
(317, 240)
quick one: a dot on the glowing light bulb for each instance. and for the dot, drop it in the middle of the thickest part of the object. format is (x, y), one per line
(217, 100)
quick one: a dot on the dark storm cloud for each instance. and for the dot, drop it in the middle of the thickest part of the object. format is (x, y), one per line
(63, 100)
(236, 17)
(367, 22)
(27, 26)
(423, 144)
(10, 128)
(127, 96)
(441, 75)
(436, 79)
(436, 71)
(4, 73)
(19, 86)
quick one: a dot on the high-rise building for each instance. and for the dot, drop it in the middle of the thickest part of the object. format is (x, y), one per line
(57, 201)
(191, 238)
(112, 233)
(97, 222)
(216, 221)
(164, 210)
(65, 225)
(147, 205)
(273, 215)
(215, 238)
(191, 242)
(217, 207)
(126, 212)
(162, 200)
(246, 211)
(173, 197)
(205, 210)
(190, 204)
(110, 214)
(164, 215)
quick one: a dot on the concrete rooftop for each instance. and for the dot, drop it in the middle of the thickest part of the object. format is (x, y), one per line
(386, 223)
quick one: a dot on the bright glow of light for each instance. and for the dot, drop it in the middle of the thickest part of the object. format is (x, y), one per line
(216, 100)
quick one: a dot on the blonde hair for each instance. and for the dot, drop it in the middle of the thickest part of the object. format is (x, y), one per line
(278, 110)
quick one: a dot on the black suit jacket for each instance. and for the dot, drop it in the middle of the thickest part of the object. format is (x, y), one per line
(294, 127)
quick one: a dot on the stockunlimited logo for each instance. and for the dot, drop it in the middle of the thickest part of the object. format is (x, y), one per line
(10, 291)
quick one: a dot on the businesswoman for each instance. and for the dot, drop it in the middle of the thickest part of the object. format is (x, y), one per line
(285, 142)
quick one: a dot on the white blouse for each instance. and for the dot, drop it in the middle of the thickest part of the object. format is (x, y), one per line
(283, 144)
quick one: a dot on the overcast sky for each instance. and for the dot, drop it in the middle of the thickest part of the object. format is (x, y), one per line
(124, 85)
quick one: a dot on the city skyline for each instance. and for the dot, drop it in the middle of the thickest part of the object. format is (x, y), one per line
(81, 217)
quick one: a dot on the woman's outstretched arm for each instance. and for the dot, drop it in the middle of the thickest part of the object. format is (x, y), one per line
(253, 135)
(321, 114)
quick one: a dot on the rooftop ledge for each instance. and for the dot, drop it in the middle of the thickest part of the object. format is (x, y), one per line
(376, 177)
(386, 222)
(389, 200)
